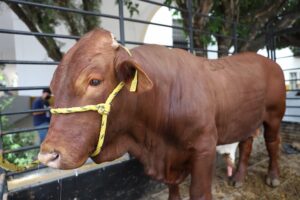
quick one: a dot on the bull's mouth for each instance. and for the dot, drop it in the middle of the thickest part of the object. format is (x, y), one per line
(55, 160)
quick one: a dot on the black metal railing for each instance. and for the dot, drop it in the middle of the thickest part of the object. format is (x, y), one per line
(121, 19)
(190, 30)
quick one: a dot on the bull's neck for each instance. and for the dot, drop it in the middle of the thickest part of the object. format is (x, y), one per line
(141, 114)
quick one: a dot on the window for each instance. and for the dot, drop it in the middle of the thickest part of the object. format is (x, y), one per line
(293, 80)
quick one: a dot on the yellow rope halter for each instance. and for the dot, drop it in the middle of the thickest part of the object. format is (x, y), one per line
(102, 108)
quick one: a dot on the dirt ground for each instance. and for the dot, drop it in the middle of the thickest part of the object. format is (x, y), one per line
(254, 186)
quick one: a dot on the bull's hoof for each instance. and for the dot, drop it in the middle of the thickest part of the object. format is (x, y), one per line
(272, 182)
(236, 184)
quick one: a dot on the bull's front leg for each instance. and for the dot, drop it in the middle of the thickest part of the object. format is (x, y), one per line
(202, 167)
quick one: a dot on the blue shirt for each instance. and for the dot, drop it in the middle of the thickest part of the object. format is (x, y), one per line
(39, 103)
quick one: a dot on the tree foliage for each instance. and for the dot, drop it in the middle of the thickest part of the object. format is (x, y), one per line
(47, 20)
(253, 18)
(131, 6)
(15, 141)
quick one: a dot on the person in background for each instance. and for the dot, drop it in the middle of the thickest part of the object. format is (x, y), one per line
(42, 118)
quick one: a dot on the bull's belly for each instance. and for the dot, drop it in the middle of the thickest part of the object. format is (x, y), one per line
(237, 133)
(240, 123)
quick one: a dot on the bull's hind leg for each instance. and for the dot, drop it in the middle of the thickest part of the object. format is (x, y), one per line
(174, 193)
(245, 148)
(272, 140)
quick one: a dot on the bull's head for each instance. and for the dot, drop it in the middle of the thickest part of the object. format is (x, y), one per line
(87, 75)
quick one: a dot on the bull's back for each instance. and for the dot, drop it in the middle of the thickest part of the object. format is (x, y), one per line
(234, 91)
(246, 86)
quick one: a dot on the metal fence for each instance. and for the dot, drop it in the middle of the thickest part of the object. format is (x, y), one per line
(189, 30)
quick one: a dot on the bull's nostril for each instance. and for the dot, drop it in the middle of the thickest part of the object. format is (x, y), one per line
(48, 158)
(54, 156)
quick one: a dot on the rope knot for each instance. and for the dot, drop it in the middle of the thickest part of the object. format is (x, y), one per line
(103, 109)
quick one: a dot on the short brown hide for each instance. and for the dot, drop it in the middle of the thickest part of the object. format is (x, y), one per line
(183, 108)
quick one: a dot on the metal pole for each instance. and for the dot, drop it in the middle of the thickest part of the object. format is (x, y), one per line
(267, 40)
(274, 47)
(235, 42)
(3, 184)
(121, 22)
(190, 12)
(271, 43)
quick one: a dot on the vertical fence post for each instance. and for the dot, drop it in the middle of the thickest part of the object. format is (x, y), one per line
(235, 37)
(271, 42)
(267, 40)
(3, 185)
(190, 12)
(274, 46)
(121, 22)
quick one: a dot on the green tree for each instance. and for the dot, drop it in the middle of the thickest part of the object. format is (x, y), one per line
(5, 101)
(253, 18)
(45, 20)
(15, 141)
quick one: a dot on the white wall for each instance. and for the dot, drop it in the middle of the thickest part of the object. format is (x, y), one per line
(159, 34)
(286, 60)
(7, 45)
(19, 47)
(133, 31)
(19, 103)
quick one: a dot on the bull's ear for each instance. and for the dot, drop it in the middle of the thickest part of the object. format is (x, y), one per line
(126, 72)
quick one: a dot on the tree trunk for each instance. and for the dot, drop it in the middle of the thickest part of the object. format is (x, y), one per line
(230, 9)
(200, 8)
(48, 43)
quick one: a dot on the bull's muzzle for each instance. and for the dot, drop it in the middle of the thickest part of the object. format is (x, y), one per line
(51, 159)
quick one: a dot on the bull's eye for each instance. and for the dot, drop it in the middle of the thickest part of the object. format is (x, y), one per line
(95, 82)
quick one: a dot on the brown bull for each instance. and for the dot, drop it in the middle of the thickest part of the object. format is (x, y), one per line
(183, 108)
